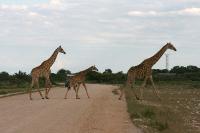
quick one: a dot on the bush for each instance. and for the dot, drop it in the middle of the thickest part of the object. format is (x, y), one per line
(148, 113)
(161, 126)
(3, 92)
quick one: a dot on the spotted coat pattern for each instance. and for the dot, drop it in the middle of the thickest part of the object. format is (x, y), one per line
(44, 71)
(144, 71)
(78, 79)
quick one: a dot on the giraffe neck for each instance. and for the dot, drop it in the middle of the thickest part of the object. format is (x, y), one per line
(154, 59)
(86, 71)
(52, 59)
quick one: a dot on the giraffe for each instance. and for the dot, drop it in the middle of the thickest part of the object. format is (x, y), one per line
(144, 71)
(44, 71)
(78, 79)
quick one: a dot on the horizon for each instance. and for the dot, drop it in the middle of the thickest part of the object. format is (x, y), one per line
(98, 71)
(109, 34)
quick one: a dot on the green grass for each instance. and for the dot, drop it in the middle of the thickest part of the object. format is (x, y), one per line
(160, 126)
(3, 92)
(174, 114)
(8, 91)
(148, 113)
(8, 88)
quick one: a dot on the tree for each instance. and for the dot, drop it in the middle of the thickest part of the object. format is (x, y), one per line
(192, 68)
(61, 74)
(156, 71)
(107, 71)
(178, 69)
(93, 76)
(22, 76)
(4, 76)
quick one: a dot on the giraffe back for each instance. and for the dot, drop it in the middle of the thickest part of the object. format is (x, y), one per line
(80, 77)
(40, 72)
(140, 71)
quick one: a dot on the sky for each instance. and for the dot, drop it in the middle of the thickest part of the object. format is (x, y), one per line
(115, 34)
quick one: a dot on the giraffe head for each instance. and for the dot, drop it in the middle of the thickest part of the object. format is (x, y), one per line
(60, 49)
(93, 68)
(170, 46)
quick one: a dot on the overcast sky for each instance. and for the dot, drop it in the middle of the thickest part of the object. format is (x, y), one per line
(114, 34)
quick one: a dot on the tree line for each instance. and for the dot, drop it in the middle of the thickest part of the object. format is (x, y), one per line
(177, 73)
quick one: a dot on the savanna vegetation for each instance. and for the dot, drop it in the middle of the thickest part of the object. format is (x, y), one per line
(21, 81)
(178, 111)
(177, 73)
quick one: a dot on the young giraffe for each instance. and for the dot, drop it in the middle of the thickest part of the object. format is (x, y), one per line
(44, 71)
(144, 70)
(78, 79)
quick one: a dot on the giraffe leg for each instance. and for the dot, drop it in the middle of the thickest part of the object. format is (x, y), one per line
(123, 89)
(30, 90)
(38, 89)
(133, 82)
(68, 88)
(142, 88)
(77, 97)
(66, 94)
(48, 87)
(75, 88)
(86, 89)
(128, 85)
(122, 93)
(46, 91)
(154, 88)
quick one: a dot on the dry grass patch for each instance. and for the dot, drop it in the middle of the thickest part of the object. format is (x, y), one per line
(178, 112)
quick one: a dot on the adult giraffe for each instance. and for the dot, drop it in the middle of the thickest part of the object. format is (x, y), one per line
(144, 70)
(43, 70)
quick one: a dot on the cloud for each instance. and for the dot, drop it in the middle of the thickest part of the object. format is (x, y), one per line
(57, 5)
(93, 40)
(35, 15)
(5, 7)
(185, 11)
(52, 5)
(20, 10)
(141, 13)
(89, 28)
(190, 11)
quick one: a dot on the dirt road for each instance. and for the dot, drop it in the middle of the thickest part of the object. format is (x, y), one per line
(102, 113)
